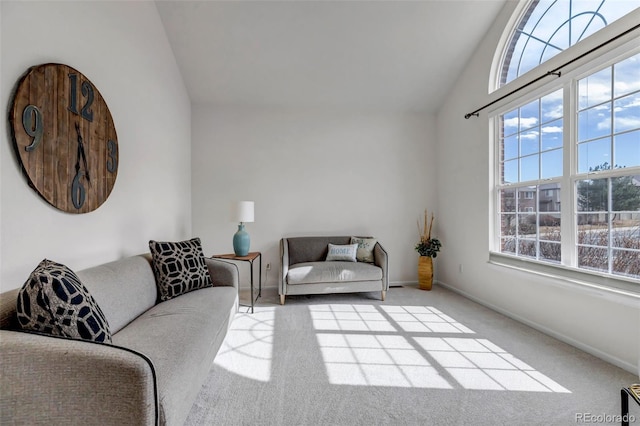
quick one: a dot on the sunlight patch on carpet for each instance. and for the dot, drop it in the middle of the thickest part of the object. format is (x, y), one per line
(376, 360)
(415, 346)
(479, 364)
(247, 349)
(424, 319)
(349, 318)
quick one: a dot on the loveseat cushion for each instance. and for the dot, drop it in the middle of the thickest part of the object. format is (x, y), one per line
(54, 301)
(311, 249)
(329, 272)
(179, 267)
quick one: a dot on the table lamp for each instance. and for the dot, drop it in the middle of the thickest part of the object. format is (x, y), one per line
(242, 212)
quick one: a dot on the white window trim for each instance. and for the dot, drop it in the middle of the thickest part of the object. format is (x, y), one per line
(628, 45)
(616, 28)
(602, 285)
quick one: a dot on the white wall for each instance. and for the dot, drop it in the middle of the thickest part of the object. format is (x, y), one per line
(605, 326)
(122, 48)
(313, 172)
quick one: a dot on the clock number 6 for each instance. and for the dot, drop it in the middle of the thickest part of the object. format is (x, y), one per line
(87, 91)
(32, 123)
(77, 191)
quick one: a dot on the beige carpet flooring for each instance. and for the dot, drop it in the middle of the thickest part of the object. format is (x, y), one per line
(419, 358)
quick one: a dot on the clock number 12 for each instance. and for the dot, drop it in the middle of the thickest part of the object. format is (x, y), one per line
(87, 92)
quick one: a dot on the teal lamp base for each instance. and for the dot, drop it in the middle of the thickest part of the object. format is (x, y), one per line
(241, 241)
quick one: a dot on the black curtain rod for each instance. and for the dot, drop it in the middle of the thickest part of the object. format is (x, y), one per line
(555, 72)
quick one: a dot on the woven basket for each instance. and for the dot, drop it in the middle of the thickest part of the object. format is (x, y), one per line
(425, 272)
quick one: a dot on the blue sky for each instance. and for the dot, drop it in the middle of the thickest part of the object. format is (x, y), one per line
(608, 126)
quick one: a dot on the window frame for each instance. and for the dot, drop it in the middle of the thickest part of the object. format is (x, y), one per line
(567, 271)
(522, 11)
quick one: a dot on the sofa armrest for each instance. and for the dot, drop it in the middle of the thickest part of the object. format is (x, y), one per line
(284, 265)
(223, 273)
(381, 259)
(51, 380)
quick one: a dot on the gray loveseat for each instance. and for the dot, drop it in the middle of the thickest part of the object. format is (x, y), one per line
(151, 374)
(303, 269)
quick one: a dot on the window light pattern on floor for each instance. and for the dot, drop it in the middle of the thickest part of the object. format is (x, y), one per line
(424, 319)
(247, 349)
(415, 346)
(479, 364)
(377, 360)
(349, 318)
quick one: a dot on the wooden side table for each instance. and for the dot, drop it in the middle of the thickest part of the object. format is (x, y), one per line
(251, 257)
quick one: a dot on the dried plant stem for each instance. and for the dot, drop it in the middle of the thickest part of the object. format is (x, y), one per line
(425, 225)
(425, 229)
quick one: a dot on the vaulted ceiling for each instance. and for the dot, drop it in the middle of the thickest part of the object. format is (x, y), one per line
(364, 55)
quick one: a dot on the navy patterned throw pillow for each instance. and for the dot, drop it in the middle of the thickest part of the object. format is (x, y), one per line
(54, 301)
(179, 267)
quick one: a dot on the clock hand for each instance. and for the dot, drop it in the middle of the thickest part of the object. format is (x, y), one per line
(78, 155)
(82, 154)
(86, 168)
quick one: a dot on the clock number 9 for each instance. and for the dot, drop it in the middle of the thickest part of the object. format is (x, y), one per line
(32, 123)
(77, 191)
(112, 161)
(87, 91)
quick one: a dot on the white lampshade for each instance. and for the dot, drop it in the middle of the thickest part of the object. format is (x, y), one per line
(242, 211)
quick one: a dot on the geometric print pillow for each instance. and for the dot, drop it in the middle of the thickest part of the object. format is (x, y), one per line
(54, 301)
(179, 267)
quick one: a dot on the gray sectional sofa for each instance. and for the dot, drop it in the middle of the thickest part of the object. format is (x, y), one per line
(303, 269)
(150, 375)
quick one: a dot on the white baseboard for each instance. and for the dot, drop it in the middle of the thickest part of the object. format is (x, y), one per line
(402, 283)
(634, 369)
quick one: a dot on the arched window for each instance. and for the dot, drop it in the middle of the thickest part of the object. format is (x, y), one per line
(566, 160)
(547, 27)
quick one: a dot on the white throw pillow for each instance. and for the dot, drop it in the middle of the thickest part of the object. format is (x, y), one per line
(345, 253)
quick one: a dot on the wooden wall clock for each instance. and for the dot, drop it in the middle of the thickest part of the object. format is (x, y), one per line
(64, 137)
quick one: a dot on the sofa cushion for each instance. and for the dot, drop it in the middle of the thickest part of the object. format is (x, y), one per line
(181, 337)
(179, 267)
(54, 301)
(346, 252)
(107, 281)
(323, 272)
(365, 248)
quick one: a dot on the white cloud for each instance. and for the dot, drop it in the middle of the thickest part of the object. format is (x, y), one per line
(629, 86)
(624, 103)
(528, 121)
(511, 122)
(604, 124)
(556, 112)
(552, 129)
(627, 123)
(594, 92)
